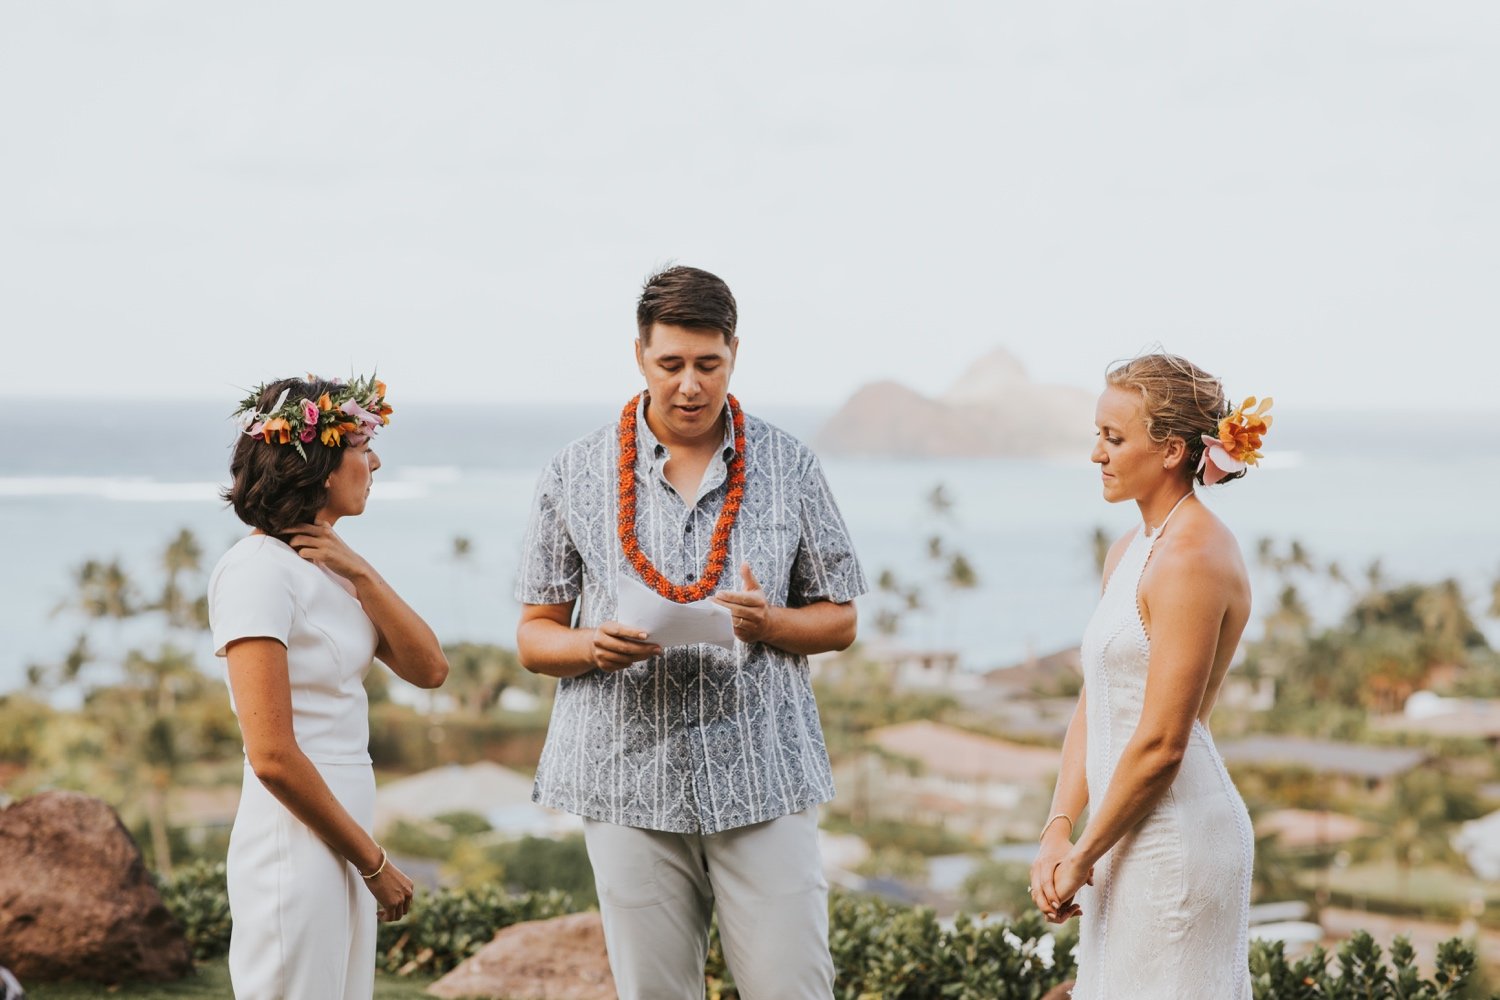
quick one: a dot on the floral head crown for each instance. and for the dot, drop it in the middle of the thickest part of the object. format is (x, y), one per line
(347, 414)
(1237, 444)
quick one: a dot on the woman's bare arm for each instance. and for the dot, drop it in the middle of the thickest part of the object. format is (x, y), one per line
(263, 702)
(1189, 597)
(407, 644)
(1068, 800)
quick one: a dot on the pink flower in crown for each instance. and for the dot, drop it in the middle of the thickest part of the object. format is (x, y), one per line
(364, 416)
(308, 432)
(309, 413)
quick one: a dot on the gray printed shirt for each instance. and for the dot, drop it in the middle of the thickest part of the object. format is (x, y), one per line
(699, 739)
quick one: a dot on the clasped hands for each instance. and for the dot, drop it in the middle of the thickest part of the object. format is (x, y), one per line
(1056, 876)
(617, 646)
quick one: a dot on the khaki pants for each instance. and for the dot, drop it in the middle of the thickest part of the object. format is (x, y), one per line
(658, 891)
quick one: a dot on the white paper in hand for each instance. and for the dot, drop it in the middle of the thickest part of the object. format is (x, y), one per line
(668, 623)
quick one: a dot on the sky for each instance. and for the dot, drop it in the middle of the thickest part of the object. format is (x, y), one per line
(1301, 197)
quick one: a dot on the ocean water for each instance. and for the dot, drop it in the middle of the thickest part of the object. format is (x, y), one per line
(117, 480)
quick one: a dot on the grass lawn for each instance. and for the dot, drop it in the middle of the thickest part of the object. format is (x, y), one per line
(211, 983)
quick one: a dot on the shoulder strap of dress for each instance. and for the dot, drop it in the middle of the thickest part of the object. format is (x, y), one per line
(1154, 535)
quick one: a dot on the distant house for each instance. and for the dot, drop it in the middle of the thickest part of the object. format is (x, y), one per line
(972, 785)
(914, 669)
(1312, 829)
(1351, 765)
(905, 668)
(1057, 673)
(1430, 714)
(502, 796)
(1479, 842)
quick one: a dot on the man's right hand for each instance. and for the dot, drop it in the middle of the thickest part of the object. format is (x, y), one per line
(617, 646)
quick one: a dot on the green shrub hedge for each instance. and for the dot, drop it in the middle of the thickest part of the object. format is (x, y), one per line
(881, 951)
(199, 899)
(441, 930)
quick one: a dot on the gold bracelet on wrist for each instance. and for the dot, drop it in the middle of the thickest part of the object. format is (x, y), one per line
(383, 859)
(1054, 819)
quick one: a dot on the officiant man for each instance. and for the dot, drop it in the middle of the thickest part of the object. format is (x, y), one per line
(698, 770)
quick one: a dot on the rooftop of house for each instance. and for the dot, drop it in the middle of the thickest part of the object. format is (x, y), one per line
(956, 753)
(1457, 718)
(1296, 828)
(1323, 756)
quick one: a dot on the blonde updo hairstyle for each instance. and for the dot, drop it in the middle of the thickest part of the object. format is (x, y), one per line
(1180, 400)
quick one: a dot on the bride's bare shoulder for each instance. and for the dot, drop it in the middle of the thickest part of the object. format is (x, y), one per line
(1199, 543)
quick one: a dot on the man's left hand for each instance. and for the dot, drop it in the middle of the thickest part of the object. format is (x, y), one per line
(752, 615)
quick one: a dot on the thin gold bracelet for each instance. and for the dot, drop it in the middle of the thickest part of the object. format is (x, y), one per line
(383, 859)
(1054, 819)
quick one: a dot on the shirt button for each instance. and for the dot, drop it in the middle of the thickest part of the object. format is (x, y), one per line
(690, 577)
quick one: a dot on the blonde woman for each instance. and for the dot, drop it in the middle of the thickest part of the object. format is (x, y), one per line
(298, 615)
(1161, 872)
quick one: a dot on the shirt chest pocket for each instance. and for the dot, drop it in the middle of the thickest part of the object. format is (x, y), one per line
(769, 545)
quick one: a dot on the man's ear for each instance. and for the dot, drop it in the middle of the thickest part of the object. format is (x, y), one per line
(640, 355)
(734, 350)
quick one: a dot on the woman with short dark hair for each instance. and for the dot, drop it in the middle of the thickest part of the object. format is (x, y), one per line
(298, 615)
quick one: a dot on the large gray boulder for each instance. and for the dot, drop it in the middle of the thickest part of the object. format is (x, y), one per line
(76, 901)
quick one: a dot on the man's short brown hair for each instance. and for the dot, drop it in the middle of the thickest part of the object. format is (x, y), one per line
(687, 297)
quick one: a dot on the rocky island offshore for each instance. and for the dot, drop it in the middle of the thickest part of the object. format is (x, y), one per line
(993, 410)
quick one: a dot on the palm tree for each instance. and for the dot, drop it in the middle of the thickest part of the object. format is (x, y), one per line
(183, 555)
(478, 674)
(154, 685)
(1265, 554)
(461, 557)
(103, 590)
(961, 574)
(939, 501)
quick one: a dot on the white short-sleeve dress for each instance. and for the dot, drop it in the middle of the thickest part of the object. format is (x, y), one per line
(304, 923)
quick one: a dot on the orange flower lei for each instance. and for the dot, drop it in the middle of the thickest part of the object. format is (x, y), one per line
(718, 549)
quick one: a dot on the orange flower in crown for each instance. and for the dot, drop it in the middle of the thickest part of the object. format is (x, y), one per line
(1237, 445)
(277, 430)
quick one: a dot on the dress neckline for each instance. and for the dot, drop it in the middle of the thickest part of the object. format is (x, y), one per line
(1154, 535)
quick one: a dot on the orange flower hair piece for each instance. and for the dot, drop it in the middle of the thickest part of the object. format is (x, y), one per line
(718, 549)
(1237, 445)
(348, 415)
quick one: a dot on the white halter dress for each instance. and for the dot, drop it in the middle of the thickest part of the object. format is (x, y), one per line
(1168, 915)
